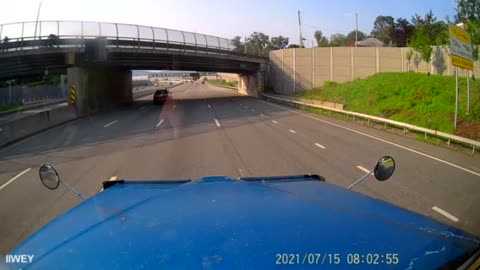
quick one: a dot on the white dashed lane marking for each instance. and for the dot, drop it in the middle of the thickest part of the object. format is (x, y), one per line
(216, 122)
(111, 123)
(378, 139)
(159, 123)
(319, 145)
(292, 131)
(363, 169)
(445, 214)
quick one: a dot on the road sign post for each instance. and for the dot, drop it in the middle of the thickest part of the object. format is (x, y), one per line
(461, 56)
(468, 91)
(456, 98)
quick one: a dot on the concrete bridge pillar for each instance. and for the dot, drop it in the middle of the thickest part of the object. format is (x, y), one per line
(252, 84)
(99, 89)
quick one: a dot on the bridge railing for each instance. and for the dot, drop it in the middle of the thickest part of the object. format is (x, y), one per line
(59, 34)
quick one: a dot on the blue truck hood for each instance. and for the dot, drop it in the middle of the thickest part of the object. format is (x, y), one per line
(222, 223)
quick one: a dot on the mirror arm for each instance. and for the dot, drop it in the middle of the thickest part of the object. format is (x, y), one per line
(73, 190)
(359, 180)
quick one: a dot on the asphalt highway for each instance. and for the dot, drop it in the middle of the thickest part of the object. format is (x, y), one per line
(205, 130)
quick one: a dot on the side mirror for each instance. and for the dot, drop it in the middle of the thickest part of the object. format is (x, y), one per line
(384, 168)
(51, 180)
(382, 171)
(49, 176)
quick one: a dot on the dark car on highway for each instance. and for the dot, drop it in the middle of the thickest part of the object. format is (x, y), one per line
(160, 96)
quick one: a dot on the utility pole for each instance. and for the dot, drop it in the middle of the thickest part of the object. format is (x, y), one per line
(36, 22)
(300, 28)
(356, 29)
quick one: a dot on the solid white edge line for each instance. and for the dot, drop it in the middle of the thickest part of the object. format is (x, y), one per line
(275, 122)
(292, 131)
(15, 178)
(159, 123)
(111, 123)
(216, 122)
(380, 139)
(319, 145)
(445, 213)
(363, 169)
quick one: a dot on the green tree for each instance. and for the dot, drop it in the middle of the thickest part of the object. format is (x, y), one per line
(422, 44)
(409, 58)
(402, 33)
(322, 41)
(277, 43)
(360, 36)
(338, 40)
(5, 39)
(383, 28)
(436, 31)
(293, 46)
(468, 12)
(238, 46)
(257, 43)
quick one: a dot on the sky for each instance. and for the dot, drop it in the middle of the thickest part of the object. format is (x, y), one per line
(229, 18)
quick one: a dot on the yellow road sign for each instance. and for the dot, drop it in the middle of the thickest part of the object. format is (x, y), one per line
(461, 48)
(73, 94)
(459, 33)
(462, 62)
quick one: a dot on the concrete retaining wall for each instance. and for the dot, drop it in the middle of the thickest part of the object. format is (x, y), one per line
(294, 70)
(18, 129)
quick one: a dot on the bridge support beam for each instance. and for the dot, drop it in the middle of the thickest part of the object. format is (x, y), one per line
(252, 84)
(99, 89)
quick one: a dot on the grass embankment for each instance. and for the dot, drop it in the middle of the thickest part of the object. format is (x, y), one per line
(9, 107)
(418, 99)
(223, 83)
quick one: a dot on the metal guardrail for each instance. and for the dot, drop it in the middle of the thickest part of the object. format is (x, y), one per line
(60, 34)
(35, 106)
(474, 144)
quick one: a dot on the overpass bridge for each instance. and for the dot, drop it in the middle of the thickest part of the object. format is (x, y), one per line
(98, 57)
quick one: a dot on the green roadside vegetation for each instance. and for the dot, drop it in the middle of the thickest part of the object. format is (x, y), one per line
(418, 99)
(222, 83)
(10, 107)
(52, 79)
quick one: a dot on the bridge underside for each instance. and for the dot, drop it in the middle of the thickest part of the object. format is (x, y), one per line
(102, 76)
(31, 63)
